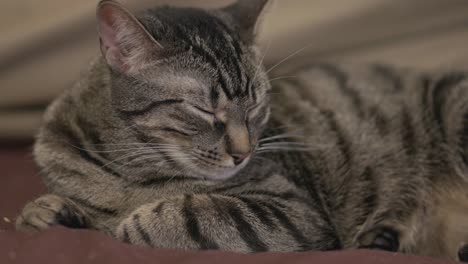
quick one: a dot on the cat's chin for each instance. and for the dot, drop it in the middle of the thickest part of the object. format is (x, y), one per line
(219, 174)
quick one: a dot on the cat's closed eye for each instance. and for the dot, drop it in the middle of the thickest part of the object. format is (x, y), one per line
(204, 111)
(201, 112)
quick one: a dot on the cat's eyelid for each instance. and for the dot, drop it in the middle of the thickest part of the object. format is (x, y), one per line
(203, 113)
(203, 110)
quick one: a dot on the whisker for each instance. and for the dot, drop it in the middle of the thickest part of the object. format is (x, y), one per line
(140, 159)
(116, 144)
(142, 151)
(284, 148)
(181, 157)
(260, 65)
(273, 93)
(128, 149)
(290, 143)
(125, 129)
(132, 144)
(281, 136)
(279, 148)
(133, 154)
(281, 78)
(288, 57)
(286, 126)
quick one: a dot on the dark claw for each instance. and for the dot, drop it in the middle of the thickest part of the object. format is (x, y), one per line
(69, 218)
(385, 239)
(463, 253)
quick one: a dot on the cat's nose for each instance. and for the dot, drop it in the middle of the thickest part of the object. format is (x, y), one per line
(239, 158)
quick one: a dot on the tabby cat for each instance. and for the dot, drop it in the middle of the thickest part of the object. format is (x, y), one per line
(168, 142)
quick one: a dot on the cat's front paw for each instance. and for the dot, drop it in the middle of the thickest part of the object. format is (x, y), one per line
(47, 211)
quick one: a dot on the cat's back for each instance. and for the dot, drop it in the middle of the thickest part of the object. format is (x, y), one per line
(352, 104)
(372, 111)
(349, 89)
(361, 119)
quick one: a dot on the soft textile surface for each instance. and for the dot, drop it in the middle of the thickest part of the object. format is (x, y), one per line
(66, 246)
(19, 183)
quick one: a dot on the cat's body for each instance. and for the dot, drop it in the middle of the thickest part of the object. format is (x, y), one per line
(378, 159)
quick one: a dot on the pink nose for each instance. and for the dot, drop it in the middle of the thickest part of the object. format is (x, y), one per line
(239, 158)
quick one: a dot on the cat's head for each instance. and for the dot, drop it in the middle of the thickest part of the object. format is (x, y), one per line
(189, 81)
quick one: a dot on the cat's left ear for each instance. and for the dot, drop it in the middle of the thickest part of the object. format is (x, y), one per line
(249, 15)
(125, 43)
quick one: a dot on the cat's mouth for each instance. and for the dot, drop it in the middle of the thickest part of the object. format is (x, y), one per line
(218, 171)
(209, 164)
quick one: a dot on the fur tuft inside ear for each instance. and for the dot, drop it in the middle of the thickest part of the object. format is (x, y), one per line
(249, 15)
(125, 44)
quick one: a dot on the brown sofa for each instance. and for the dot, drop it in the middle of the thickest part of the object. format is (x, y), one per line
(19, 183)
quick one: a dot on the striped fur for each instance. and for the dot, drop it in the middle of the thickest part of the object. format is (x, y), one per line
(383, 151)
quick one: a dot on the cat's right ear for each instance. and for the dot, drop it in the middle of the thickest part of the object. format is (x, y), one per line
(125, 43)
(249, 16)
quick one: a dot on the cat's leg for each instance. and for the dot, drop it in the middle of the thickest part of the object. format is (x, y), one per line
(405, 220)
(50, 210)
(397, 224)
(449, 225)
(242, 223)
(437, 228)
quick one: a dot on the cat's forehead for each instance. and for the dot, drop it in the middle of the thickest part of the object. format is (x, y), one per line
(194, 86)
(168, 23)
(209, 61)
(181, 83)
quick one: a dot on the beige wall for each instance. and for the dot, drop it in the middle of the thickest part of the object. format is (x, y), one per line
(46, 44)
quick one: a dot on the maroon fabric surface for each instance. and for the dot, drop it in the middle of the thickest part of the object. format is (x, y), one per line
(19, 183)
(71, 246)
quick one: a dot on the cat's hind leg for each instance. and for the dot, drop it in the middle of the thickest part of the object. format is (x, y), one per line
(50, 210)
(397, 225)
(449, 237)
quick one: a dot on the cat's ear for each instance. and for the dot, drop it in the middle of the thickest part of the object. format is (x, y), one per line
(125, 43)
(249, 15)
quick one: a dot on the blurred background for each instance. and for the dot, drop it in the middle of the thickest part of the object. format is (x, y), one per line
(45, 45)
